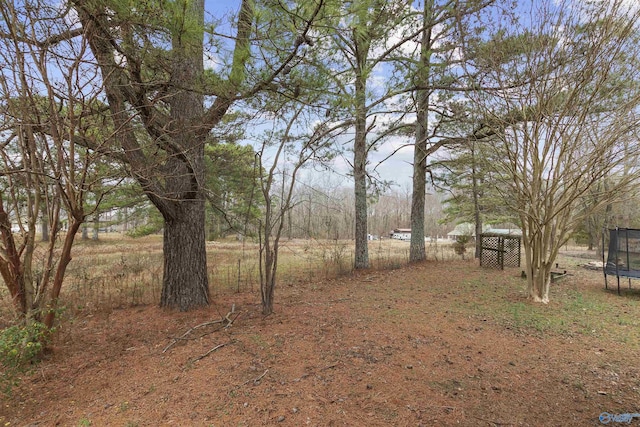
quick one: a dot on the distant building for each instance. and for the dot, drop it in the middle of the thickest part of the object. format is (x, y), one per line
(464, 229)
(468, 229)
(505, 231)
(401, 234)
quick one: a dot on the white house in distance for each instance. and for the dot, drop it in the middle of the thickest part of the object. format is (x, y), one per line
(405, 235)
(401, 234)
(464, 229)
(468, 229)
(515, 231)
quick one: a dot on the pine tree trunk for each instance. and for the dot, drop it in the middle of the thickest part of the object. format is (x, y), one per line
(362, 250)
(361, 259)
(477, 217)
(185, 284)
(417, 250)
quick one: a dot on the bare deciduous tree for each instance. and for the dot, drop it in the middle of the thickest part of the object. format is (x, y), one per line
(47, 99)
(291, 148)
(573, 76)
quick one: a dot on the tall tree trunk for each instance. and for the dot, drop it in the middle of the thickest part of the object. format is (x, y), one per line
(607, 221)
(360, 178)
(309, 233)
(592, 232)
(268, 258)
(44, 222)
(476, 203)
(61, 268)
(417, 250)
(269, 285)
(185, 282)
(10, 264)
(289, 225)
(478, 228)
(361, 259)
(96, 227)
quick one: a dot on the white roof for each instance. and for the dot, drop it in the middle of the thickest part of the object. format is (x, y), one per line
(464, 229)
(469, 229)
(505, 231)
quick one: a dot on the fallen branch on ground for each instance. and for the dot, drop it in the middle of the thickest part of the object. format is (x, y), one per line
(492, 422)
(225, 323)
(255, 380)
(308, 374)
(210, 351)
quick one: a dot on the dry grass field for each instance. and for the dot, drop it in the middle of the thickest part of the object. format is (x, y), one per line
(118, 271)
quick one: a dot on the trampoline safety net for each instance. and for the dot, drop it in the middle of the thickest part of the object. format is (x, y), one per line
(624, 253)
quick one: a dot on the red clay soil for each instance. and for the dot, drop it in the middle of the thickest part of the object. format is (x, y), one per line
(392, 348)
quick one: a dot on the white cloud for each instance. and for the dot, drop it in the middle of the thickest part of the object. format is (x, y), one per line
(211, 61)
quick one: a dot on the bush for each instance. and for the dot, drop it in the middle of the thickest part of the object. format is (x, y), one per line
(460, 246)
(145, 230)
(20, 349)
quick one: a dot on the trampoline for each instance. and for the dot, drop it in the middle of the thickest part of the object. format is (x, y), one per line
(623, 258)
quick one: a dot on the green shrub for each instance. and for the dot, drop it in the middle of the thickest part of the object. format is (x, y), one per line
(460, 246)
(145, 230)
(20, 348)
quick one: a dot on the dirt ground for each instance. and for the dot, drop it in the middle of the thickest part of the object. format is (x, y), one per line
(405, 347)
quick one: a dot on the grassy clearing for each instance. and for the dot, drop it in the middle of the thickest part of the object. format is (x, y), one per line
(578, 306)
